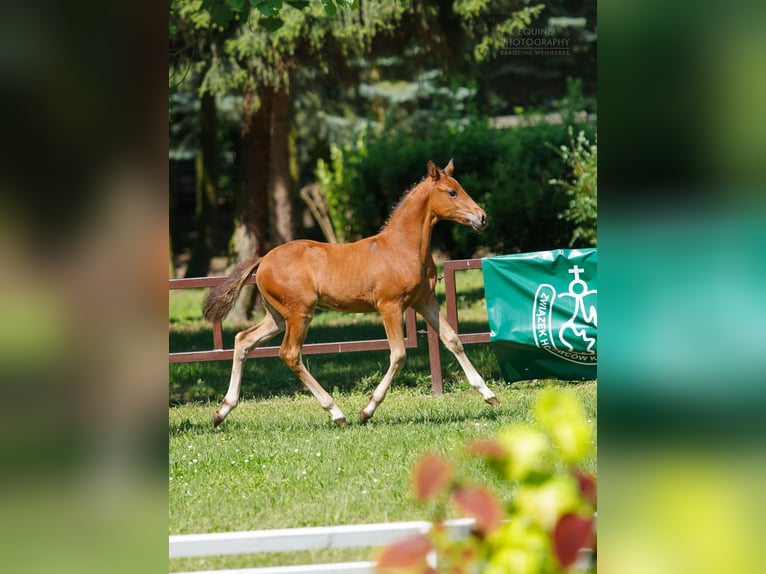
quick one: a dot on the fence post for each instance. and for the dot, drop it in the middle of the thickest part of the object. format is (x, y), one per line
(436, 362)
(450, 293)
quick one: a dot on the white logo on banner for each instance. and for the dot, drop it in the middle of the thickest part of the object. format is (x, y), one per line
(571, 340)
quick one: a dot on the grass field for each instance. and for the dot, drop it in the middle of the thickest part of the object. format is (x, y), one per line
(277, 461)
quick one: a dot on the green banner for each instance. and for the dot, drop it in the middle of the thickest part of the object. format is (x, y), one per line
(542, 313)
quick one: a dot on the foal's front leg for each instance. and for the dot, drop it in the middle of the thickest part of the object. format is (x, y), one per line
(429, 310)
(392, 320)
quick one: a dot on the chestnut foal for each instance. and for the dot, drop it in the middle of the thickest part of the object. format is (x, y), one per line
(387, 273)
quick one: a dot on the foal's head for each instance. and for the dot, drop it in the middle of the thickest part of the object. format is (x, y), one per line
(450, 201)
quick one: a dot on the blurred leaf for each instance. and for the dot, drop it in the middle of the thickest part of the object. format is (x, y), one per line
(238, 5)
(564, 417)
(298, 4)
(269, 8)
(572, 532)
(221, 15)
(546, 502)
(271, 24)
(431, 476)
(329, 7)
(408, 555)
(588, 487)
(482, 504)
(526, 449)
(490, 449)
(348, 4)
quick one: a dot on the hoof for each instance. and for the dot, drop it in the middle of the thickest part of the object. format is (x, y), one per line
(492, 401)
(217, 419)
(341, 422)
(364, 417)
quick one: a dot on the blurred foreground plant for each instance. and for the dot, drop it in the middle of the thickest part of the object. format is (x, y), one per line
(548, 520)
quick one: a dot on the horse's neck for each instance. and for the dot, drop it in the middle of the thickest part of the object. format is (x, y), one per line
(411, 224)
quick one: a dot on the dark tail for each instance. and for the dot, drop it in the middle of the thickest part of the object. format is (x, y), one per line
(221, 298)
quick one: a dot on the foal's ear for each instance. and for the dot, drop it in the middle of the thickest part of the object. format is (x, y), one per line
(449, 168)
(433, 171)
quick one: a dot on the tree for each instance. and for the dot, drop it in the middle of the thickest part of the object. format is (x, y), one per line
(206, 187)
(195, 42)
(259, 62)
(311, 60)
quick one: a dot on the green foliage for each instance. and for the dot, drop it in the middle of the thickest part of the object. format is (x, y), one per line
(271, 10)
(338, 185)
(549, 513)
(574, 101)
(219, 44)
(480, 20)
(435, 65)
(505, 171)
(581, 157)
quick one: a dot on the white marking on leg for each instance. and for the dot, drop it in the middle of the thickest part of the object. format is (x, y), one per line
(433, 315)
(474, 378)
(244, 342)
(380, 392)
(392, 321)
(336, 413)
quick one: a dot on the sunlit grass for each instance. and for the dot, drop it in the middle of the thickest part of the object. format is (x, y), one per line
(278, 461)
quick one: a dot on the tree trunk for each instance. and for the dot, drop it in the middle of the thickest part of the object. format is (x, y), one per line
(251, 231)
(206, 170)
(172, 183)
(281, 201)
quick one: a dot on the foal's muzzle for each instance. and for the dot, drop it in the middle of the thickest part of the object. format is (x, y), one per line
(479, 223)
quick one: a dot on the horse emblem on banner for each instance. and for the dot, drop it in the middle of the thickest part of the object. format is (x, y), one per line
(575, 338)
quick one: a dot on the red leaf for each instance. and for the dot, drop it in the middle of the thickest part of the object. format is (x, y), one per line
(587, 485)
(482, 504)
(431, 476)
(407, 555)
(488, 448)
(572, 532)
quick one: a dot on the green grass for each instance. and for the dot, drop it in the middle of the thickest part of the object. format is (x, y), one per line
(278, 462)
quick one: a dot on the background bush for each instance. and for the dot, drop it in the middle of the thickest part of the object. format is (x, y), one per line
(507, 171)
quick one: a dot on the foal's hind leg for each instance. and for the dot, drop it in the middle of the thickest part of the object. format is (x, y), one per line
(290, 353)
(429, 310)
(244, 342)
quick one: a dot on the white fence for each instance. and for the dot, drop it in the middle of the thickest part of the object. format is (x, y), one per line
(313, 538)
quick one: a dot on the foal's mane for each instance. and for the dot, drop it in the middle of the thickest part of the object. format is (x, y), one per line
(399, 203)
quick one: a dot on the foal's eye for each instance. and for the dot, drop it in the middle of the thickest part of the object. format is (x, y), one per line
(452, 193)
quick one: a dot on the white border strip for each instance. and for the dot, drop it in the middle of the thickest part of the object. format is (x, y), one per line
(314, 538)
(311, 538)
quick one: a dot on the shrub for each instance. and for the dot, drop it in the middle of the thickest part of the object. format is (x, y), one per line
(581, 188)
(507, 171)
